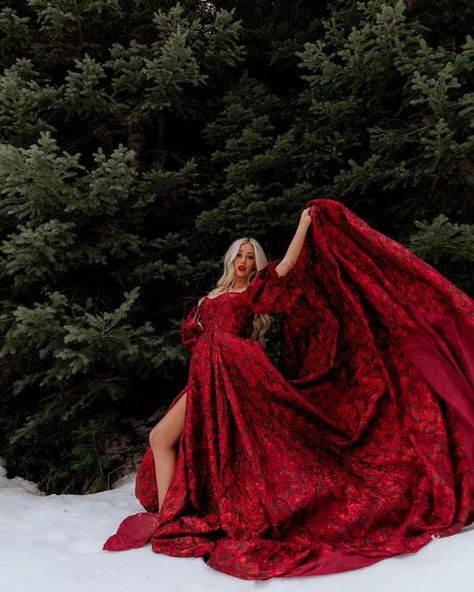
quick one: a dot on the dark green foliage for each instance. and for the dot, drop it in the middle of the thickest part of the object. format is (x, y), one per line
(449, 247)
(139, 137)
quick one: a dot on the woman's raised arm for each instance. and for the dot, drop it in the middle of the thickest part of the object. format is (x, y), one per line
(294, 249)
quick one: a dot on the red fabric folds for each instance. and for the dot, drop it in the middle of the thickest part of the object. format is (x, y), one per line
(442, 348)
(358, 447)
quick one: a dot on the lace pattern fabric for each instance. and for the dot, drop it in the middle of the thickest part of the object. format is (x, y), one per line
(357, 450)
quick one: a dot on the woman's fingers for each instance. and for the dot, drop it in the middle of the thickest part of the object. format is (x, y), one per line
(305, 215)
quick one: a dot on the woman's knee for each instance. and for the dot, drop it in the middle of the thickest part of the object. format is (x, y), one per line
(158, 437)
(168, 430)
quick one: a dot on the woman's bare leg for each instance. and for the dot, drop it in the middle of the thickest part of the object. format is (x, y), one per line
(163, 438)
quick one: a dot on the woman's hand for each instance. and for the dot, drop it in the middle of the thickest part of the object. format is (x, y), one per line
(305, 217)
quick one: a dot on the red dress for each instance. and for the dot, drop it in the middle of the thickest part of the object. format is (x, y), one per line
(359, 448)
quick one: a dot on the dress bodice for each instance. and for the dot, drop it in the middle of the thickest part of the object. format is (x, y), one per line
(233, 312)
(226, 312)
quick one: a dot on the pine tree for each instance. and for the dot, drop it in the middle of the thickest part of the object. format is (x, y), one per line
(405, 109)
(139, 137)
(92, 257)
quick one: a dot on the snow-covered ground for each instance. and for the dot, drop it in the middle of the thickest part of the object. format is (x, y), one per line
(53, 543)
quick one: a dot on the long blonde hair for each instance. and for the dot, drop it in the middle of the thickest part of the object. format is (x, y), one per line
(261, 322)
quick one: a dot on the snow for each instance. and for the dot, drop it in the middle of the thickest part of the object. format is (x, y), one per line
(54, 543)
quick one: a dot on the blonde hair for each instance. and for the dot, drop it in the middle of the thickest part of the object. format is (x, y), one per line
(261, 322)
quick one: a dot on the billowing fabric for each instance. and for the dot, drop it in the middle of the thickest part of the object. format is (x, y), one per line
(359, 447)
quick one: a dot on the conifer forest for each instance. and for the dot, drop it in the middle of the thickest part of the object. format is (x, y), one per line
(140, 137)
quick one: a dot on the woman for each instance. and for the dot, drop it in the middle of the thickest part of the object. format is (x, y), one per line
(243, 258)
(360, 447)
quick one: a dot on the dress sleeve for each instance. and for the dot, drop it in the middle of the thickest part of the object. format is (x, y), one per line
(268, 293)
(190, 330)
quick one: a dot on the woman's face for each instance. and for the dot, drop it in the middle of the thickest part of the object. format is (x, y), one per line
(244, 262)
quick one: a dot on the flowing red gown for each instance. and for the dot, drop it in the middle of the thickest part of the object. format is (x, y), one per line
(360, 447)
